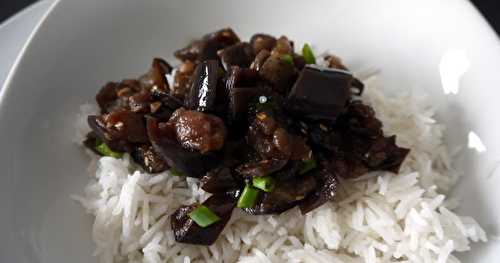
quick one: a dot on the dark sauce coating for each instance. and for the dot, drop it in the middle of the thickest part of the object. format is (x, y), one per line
(235, 112)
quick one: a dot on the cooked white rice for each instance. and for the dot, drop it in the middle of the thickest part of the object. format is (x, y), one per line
(380, 217)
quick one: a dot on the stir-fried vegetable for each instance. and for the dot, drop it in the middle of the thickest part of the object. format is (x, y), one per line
(203, 216)
(287, 58)
(308, 54)
(103, 149)
(264, 183)
(248, 197)
(264, 131)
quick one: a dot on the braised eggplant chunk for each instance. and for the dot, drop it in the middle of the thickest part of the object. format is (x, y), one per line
(202, 224)
(284, 196)
(198, 131)
(325, 192)
(207, 47)
(203, 91)
(263, 127)
(187, 162)
(149, 159)
(326, 100)
(219, 179)
(261, 42)
(240, 54)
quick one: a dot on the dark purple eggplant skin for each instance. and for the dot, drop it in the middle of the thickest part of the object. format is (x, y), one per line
(261, 168)
(189, 163)
(259, 60)
(240, 54)
(219, 180)
(285, 195)
(385, 155)
(319, 93)
(261, 42)
(327, 187)
(203, 89)
(207, 47)
(279, 73)
(149, 159)
(187, 231)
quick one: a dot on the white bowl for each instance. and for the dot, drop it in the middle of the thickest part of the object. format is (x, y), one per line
(82, 44)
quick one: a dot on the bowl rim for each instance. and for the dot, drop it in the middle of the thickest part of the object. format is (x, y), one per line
(6, 86)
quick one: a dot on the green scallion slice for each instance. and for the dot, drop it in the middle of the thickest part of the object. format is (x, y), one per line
(264, 183)
(103, 149)
(308, 166)
(248, 197)
(308, 54)
(203, 216)
(287, 58)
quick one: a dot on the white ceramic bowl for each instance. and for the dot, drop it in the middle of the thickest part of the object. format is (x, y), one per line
(82, 44)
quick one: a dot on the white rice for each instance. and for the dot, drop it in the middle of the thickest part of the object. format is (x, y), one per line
(380, 217)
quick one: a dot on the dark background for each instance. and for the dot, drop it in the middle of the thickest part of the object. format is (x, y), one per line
(489, 8)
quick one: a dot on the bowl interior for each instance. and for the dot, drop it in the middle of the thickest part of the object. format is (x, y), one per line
(83, 44)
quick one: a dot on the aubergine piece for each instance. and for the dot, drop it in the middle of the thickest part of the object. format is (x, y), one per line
(207, 47)
(327, 187)
(237, 152)
(203, 89)
(242, 87)
(182, 80)
(299, 61)
(319, 93)
(219, 180)
(261, 168)
(107, 95)
(280, 73)
(259, 60)
(155, 77)
(240, 54)
(140, 102)
(284, 196)
(115, 96)
(385, 155)
(198, 131)
(119, 129)
(189, 163)
(149, 159)
(187, 231)
(269, 138)
(359, 119)
(261, 42)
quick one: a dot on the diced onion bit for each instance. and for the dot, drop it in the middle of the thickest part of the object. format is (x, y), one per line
(249, 197)
(103, 149)
(307, 166)
(308, 54)
(287, 58)
(175, 172)
(203, 216)
(264, 183)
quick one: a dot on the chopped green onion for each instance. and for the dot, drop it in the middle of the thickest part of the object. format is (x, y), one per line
(287, 58)
(248, 197)
(307, 166)
(308, 54)
(264, 183)
(203, 216)
(103, 149)
(175, 172)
